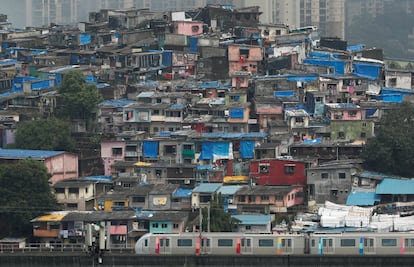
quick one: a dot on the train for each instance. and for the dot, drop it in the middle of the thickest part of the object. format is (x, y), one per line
(236, 243)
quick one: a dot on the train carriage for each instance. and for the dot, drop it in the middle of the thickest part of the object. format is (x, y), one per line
(334, 243)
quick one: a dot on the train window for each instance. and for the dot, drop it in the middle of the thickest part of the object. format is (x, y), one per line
(225, 242)
(146, 243)
(347, 242)
(313, 243)
(265, 242)
(389, 242)
(184, 242)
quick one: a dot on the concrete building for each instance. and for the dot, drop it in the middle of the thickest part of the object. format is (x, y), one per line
(327, 15)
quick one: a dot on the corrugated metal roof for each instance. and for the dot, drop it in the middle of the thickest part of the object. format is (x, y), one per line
(229, 189)
(252, 219)
(362, 199)
(51, 217)
(24, 154)
(145, 94)
(207, 188)
(395, 187)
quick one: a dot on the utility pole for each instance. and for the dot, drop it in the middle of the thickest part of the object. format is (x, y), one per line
(201, 218)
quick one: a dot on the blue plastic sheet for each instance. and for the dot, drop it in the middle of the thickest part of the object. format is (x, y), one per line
(150, 149)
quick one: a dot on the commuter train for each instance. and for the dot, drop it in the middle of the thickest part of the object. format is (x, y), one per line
(345, 243)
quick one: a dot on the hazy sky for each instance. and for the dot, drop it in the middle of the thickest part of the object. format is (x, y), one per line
(15, 11)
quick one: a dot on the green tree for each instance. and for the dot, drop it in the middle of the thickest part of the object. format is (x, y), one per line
(80, 99)
(45, 134)
(392, 149)
(24, 194)
(220, 221)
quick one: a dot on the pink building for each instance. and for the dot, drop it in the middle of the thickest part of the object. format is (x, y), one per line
(188, 28)
(112, 151)
(243, 62)
(61, 165)
(343, 111)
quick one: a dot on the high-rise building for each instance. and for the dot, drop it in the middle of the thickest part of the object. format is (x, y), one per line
(45, 12)
(327, 15)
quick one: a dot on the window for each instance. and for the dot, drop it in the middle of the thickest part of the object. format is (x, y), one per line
(363, 135)
(119, 203)
(175, 225)
(154, 225)
(299, 119)
(155, 112)
(72, 205)
(264, 198)
(290, 169)
(225, 242)
(116, 151)
(59, 190)
(164, 225)
(324, 175)
(265, 242)
(341, 175)
(252, 198)
(248, 227)
(195, 28)
(73, 190)
(242, 198)
(389, 242)
(184, 243)
(279, 197)
(347, 242)
(341, 135)
(352, 113)
(264, 168)
(138, 199)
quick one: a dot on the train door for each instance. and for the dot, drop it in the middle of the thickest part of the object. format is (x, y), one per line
(246, 245)
(205, 245)
(408, 246)
(369, 245)
(165, 245)
(325, 245)
(286, 245)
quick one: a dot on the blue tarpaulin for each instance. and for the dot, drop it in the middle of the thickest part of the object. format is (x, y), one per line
(246, 149)
(355, 48)
(193, 44)
(298, 78)
(313, 141)
(370, 71)
(150, 149)
(84, 39)
(236, 113)
(215, 150)
(284, 93)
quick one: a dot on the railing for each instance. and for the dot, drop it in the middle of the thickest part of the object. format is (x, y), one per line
(60, 248)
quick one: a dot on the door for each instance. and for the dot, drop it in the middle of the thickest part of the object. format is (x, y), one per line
(286, 245)
(205, 245)
(325, 245)
(369, 245)
(165, 245)
(246, 245)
